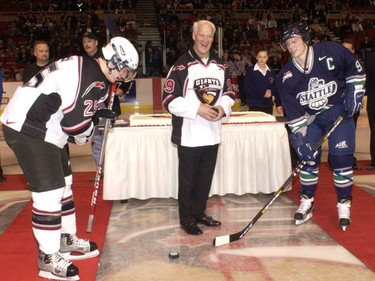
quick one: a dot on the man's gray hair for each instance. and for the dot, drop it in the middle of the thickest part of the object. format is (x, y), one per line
(199, 23)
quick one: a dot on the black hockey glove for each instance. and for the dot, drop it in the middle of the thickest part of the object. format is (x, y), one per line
(303, 148)
(353, 99)
(102, 114)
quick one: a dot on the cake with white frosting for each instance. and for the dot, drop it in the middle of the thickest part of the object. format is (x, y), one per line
(163, 119)
(237, 117)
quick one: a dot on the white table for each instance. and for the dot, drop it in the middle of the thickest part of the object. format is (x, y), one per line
(141, 162)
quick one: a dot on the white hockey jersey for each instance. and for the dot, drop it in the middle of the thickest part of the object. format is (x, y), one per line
(59, 101)
(190, 83)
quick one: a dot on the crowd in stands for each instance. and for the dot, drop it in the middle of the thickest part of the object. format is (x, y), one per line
(61, 24)
(246, 25)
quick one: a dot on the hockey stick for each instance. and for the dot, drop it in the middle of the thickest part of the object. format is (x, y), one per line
(99, 167)
(111, 28)
(225, 239)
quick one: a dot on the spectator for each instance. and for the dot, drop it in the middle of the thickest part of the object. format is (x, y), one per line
(240, 65)
(272, 22)
(275, 64)
(366, 46)
(260, 84)
(23, 56)
(357, 27)
(41, 53)
(2, 178)
(262, 33)
(370, 93)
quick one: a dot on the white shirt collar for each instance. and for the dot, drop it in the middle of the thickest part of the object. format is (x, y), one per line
(256, 67)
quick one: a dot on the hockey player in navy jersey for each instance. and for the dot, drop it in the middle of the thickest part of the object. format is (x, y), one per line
(318, 85)
(60, 104)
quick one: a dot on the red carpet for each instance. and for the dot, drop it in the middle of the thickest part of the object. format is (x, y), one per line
(13, 182)
(18, 251)
(359, 238)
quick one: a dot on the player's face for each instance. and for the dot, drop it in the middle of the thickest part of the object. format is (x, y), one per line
(349, 46)
(203, 40)
(90, 46)
(296, 46)
(124, 74)
(262, 58)
(41, 53)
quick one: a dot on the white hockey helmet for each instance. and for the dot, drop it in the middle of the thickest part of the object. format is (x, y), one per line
(122, 54)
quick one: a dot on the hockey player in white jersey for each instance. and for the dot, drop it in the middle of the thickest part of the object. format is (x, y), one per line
(318, 85)
(57, 105)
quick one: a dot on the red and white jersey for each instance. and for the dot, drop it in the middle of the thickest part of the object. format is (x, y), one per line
(59, 101)
(190, 83)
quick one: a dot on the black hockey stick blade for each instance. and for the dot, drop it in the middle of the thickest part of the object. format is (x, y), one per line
(111, 26)
(226, 239)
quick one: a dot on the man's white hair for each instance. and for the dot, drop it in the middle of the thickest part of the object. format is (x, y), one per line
(199, 23)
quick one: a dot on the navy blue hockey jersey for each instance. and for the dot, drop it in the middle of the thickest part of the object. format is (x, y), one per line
(322, 85)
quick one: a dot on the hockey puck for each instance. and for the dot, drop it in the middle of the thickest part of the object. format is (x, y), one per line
(174, 255)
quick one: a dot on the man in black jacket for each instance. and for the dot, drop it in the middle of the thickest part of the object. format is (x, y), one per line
(370, 92)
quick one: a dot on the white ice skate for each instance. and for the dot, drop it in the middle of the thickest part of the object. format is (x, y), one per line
(56, 267)
(343, 209)
(74, 248)
(304, 211)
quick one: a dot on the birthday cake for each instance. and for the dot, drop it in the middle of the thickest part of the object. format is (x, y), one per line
(240, 117)
(164, 119)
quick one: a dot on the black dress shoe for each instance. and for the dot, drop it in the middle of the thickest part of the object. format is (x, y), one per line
(94, 178)
(356, 167)
(209, 221)
(191, 228)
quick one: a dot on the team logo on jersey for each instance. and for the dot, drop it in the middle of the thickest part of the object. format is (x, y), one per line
(207, 90)
(316, 97)
(93, 85)
(179, 67)
(287, 75)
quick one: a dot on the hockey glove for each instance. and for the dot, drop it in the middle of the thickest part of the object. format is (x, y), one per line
(101, 115)
(303, 148)
(353, 99)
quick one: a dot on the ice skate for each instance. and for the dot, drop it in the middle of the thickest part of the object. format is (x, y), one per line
(55, 267)
(343, 209)
(304, 211)
(74, 248)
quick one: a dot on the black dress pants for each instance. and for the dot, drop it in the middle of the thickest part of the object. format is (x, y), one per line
(195, 172)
